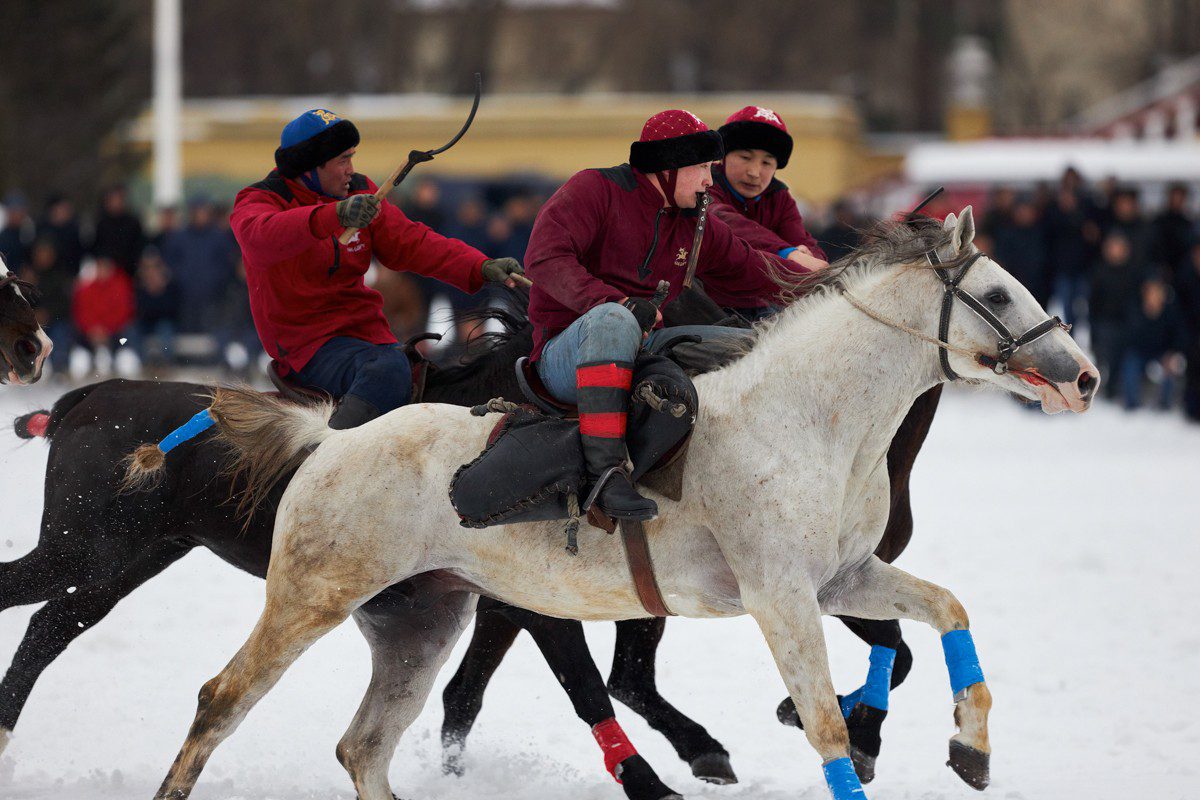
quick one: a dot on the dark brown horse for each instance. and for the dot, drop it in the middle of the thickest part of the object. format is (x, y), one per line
(23, 344)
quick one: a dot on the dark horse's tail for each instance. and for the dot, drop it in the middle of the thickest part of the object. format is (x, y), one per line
(42, 424)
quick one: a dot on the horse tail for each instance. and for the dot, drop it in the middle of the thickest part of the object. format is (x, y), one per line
(42, 424)
(269, 437)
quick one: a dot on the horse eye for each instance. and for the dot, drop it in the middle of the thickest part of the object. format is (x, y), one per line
(998, 298)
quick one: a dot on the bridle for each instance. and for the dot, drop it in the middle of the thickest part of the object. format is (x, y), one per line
(11, 279)
(1007, 345)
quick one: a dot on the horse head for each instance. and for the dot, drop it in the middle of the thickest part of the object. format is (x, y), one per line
(24, 346)
(1015, 344)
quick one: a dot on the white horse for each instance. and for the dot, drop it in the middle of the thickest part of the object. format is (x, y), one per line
(785, 499)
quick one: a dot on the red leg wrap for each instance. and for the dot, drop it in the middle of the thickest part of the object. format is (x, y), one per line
(614, 743)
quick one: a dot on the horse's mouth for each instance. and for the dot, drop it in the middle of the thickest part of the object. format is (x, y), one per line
(9, 374)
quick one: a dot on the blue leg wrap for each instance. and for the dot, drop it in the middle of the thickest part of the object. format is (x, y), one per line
(874, 692)
(961, 661)
(188, 430)
(843, 783)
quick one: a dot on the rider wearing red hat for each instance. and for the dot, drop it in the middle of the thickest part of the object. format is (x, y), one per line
(599, 248)
(753, 202)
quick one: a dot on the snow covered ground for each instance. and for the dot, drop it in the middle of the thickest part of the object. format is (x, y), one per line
(1072, 541)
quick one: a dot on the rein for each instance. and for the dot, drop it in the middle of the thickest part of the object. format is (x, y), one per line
(1007, 345)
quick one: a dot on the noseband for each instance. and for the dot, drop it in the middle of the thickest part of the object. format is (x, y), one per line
(1007, 345)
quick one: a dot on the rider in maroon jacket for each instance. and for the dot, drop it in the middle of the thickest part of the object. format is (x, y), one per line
(754, 203)
(599, 248)
(314, 314)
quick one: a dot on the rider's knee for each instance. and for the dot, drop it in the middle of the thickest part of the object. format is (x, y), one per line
(616, 327)
(386, 380)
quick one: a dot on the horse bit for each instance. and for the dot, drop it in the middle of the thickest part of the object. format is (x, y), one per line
(1007, 345)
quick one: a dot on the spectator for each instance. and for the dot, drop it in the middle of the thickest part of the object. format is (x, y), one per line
(16, 233)
(841, 238)
(999, 212)
(158, 310)
(201, 258)
(1127, 219)
(61, 224)
(520, 210)
(54, 283)
(470, 226)
(1115, 281)
(237, 339)
(1155, 336)
(1068, 251)
(1020, 247)
(1172, 232)
(425, 205)
(1187, 283)
(118, 231)
(166, 225)
(103, 306)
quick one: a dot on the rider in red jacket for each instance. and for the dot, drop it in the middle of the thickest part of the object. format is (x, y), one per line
(314, 314)
(755, 204)
(599, 248)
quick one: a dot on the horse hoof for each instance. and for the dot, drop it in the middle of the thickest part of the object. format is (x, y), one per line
(640, 782)
(714, 768)
(787, 715)
(864, 764)
(970, 764)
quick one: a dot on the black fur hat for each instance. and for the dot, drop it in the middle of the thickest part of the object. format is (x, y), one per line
(311, 139)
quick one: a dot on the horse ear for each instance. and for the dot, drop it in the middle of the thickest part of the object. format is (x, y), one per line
(964, 229)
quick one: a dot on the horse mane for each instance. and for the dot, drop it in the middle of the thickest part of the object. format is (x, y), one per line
(488, 360)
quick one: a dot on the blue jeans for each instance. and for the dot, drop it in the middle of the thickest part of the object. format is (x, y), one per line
(608, 333)
(376, 373)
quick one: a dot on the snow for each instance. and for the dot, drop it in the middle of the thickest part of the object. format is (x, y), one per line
(1072, 542)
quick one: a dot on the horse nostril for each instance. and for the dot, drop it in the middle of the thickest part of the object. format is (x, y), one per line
(26, 347)
(1087, 384)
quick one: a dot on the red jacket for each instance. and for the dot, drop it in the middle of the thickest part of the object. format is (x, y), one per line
(605, 235)
(104, 304)
(305, 288)
(768, 222)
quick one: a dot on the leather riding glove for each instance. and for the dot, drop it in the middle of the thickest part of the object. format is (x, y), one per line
(645, 312)
(498, 270)
(357, 210)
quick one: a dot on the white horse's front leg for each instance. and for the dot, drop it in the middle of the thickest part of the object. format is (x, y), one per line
(791, 624)
(881, 591)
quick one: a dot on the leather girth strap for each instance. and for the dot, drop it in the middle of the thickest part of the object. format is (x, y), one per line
(637, 553)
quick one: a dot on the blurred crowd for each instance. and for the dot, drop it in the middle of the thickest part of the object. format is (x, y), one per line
(173, 292)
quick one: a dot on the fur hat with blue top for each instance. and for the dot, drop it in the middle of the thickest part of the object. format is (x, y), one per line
(311, 139)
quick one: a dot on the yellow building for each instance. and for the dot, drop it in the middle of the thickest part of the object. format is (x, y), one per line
(234, 140)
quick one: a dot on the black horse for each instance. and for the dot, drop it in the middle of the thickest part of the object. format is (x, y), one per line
(23, 345)
(108, 543)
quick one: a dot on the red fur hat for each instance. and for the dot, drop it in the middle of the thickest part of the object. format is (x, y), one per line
(757, 128)
(673, 139)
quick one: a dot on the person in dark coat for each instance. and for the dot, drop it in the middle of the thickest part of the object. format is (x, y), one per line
(1020, 247)
(1126, 219)
(60, 224)
(599, 248)
(159, 307)
(1187, 287)
(1173, 232)
(1154, 335)
(55, 284)
(1068, 249)
(17, 233)
(1114, 291)
(119, 233)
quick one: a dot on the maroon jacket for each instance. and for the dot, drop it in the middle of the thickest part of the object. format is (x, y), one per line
(306, 288)
(769, 222)
(605, 235)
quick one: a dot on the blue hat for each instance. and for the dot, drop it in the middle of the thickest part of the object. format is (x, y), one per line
(311, 139)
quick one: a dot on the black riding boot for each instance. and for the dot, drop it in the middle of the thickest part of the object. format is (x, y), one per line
(603, 402)
(351, 412)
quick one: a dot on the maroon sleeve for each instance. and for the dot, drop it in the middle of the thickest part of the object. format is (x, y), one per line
(565, 230)
(740, 271)
(790, 226)
(757, 236)
(403, 245)
(269, 234)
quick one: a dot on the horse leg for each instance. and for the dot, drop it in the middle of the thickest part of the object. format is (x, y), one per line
(866, 707)
(298, 612)
(462, 698)
(61, 620)
(409, 642)
(566, 652)
(39, 575)
(791, 624)
(632, 681)
(881, 591)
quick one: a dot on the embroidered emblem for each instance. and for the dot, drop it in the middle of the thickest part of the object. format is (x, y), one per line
(681, 257)
(767, 114)
(328, 117)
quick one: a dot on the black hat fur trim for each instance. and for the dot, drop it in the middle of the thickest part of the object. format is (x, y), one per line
(316, 150)
(745, 135)
(679, 151)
